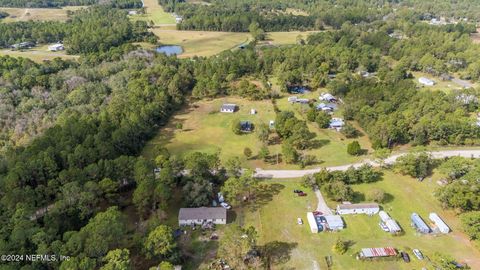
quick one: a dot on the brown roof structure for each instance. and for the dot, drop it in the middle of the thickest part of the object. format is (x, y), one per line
(202, 213)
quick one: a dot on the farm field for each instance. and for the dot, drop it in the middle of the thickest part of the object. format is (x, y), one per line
(201, 43)
(37, 54)
(300, 249)
(154, 12)
(38, 14)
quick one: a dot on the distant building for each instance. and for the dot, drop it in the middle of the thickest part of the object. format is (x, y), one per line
(442, 227)
(419, 224)
(132, 12)
(303, 100)
(336, 123)
(56, 47)
(426, 81)
(359, 208)
(326, 107)
(253, 111)
(246, 126)
(228, 108)
(292, 99)
(23, 45)
(271, 124)
(327, 97)
(314, 228)
(202, 215)
(367, 253)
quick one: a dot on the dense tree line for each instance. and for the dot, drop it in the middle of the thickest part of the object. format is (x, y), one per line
(85, 160)
(62, 3)
(96, 29)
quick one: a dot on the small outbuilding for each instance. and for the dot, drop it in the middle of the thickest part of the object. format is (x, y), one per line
(253, 111)
(367, 253)
(292, 99)
(334, 222)
(426, 81)
(327, 97)
(228, 108)
(312, 222)
(391, 224)
(56, 47)
(441, 225)
(336, 123)
(359, 208)
(202, 215)
(246, 126)
(271, 124)
(419, 224)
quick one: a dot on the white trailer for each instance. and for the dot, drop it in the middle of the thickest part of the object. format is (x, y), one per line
(312, 222)
(441, 225)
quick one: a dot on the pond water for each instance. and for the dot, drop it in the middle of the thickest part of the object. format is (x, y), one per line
(170, 49)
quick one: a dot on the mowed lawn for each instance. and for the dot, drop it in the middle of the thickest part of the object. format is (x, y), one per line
(207, 130)
(201, 43)
(275, 220)
(154, 12)
(38, 54)
(38, 14)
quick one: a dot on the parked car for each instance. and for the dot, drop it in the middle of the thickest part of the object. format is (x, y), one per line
(405, 257)
(301, 194)
(297, 191)
(317, 213)
(299, 221)
(225, 205)
(418, 254)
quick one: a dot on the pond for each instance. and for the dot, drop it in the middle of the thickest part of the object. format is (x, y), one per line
(170, 49)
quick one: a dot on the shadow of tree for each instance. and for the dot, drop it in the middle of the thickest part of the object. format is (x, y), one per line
(264, 195)
(276, 252)
(314, 144)
(358, 197)
(388, 198)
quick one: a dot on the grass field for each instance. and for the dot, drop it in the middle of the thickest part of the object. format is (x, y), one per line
(38, 54)
(206, 129)
(201, 43)
(154, 12)
(304, 250)
(37, 14)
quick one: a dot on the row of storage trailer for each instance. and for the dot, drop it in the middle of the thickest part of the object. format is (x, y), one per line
(422, 227)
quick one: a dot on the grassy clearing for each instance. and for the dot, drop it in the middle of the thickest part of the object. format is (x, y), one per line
(307, 250)
(445, 86)
(201, 43)
(207, 130)
(286, 38)
(38, 54)
(154, 12)
(38, 14)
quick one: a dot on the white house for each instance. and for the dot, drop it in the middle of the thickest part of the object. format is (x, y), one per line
(228, 108)
(359, 208)
(442, 227)
(426, 81)
(201, 215)
(56, 47)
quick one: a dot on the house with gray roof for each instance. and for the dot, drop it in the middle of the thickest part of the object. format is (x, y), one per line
(228, 108)
(202, 215)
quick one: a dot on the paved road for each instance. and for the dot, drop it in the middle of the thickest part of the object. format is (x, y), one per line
(260, 173)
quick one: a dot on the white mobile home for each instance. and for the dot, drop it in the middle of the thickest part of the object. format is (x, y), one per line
(228, 108)
(359, 208)
(312, 222)
(426, 81)
(201, 215)
(56, 47)
(442, 227)
(391, 224)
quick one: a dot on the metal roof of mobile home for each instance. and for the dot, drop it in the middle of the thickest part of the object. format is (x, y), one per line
(334, 221)
(442, 226)
(202, 213)
(378, 252)
(383, 216)
(419, 223)
(358, 206)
